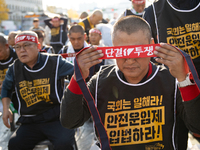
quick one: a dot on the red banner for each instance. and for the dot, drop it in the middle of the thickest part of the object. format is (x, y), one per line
(64, 55)
(133, 51)
(115, 52)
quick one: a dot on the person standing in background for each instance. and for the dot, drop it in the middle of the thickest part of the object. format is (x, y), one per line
(58, 26)
(36, 26)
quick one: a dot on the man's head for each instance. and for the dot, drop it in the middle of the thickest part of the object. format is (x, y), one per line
(95, 36)
(4, 49)
(27, 47)
(96, 17)
(11, 38)
(83, 15)
(36, 22)
(55, 21)
(132, 31)
(41, 36)
(138, 5)
(77, 36)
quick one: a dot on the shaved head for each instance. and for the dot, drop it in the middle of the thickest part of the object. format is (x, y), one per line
(132, 24)
(97, 12)
(96, 16)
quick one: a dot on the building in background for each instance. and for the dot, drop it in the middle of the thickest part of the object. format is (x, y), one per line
(19, 8)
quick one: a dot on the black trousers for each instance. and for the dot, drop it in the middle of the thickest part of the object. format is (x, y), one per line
(28, 135)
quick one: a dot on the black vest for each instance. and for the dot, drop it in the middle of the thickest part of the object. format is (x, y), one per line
(59, 36)
(36, 90)
(4, 64)
(48, 49)
(87, 26)
(64, 49)
(137, 116)
(179, 28)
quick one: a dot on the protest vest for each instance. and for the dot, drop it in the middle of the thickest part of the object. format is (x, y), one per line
(4, 65)
(180, 28)
(137, 116)
(36, 90)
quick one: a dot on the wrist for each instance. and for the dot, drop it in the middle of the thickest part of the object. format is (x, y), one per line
(185, 82)
(180, 79)
(6, 103)
(74, 87)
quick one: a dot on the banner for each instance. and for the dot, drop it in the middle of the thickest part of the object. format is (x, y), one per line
(117, 52)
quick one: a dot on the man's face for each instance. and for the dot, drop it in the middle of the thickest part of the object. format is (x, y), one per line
(56, 23)
(138, 7)
(36, 24)
(77, 40)
(27, 52)
(11, 39)
(134, 69)
(94, 38)
(4, 51)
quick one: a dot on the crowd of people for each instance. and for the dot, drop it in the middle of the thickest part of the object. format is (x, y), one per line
(144, 103)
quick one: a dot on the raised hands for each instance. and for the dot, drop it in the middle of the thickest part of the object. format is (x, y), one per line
(88, 58)
(172, 58)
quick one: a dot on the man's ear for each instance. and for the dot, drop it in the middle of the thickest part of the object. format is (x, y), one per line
(7, 45)
(152, 41)
(39, 46)
(85, 36)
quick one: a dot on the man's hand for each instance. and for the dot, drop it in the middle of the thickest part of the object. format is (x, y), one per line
(87, 59)
(172, 58)
(7, 115)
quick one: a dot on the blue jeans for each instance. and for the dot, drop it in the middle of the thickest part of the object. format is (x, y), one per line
(29, 135)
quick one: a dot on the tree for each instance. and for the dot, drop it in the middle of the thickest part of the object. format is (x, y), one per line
(3, 11)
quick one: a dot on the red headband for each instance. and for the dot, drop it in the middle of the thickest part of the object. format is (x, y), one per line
(24, 37)
(138, 1)
(95, 31)
(55, 19)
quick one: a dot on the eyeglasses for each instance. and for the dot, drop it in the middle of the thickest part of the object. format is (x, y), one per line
(25, 46)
